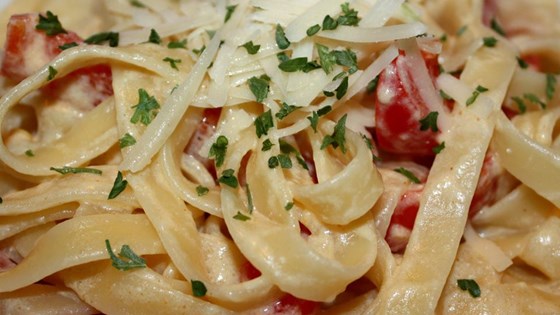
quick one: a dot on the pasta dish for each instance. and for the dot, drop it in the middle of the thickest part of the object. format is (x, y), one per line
(280, 157)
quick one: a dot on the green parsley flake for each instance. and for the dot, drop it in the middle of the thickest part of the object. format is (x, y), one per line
(228, 178)
(273, 162)
(289, 206)
(437, 149)
(429, 122)
(154, 37)
(75, 170)
(250, 205)
(29, 153)
(218, 150)
(469, 285)
(522, 63)
(281, 39)
(337, 139)
(443, 38)
(550, 86)
(479, 89)
(314, 120)
(267, 145)
(251, 48)
(285, 110)
(444, 95)
(177, 44)
(497, 27)
(313, 30)
(342, 88)
(52, 73)
(127, 140)
(199, 51)
(408, 174)
(99, 38)
(172, 62)
(329, 23)
(327, 59)
(263, 123)
(349, 16)
(534, 99)
(146, 109)
(346, 58)
(229, 12)
(461, 30)
(118, 186)
(285, 161)
(282, 57)
(489, 41)
(520, 104)
(198, 288)
(241, 217)
(201, 190)
(259, 87)
(372, 85)
(293, 65)
(324, 110)
(136, 3)
(67, 45)
(50, 24)
(130, 261)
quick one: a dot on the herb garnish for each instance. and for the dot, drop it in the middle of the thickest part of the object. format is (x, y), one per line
(313, 30)
(349, 16)
(251, 48)
(496, 27)
(127, 140)
(136, 3)
(293, 65)
(408, 174)
(469, 285)
(241, 217)
(437, 149)
(281, 159)
(228, 178)
(146, 109)
(534, 99)
(285, 110)
(75, 170)
(172, 62)
(329, 23)
(132, 260)
(201, 190)
(314, 118)
(67, 45)
(267, 145)
(281, 39)
(198, 288)
(479, 89)
(372, 85)
(429, 122)
(250, 205)
(99, 38)
(520, 104)
(289, 206)
(29, 153)
(218, 150)
(259, 87)
(522, 63)
(550, 85)
(50, 24)
(52, 73)
(489, 41)
(229, 11)
(342, 88)
(118, 186)
(337, 139)
(461, 30)
(263, 123)
(154, 37)
(177, 44)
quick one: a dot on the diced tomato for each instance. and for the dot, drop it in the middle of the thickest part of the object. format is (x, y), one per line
(249, 272)
(406, 211)
(535, 62)
(204, 131)
(399, 109)
(290, 304)
(489, 11)
(28, 49)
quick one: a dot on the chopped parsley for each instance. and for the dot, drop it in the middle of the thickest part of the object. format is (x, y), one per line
(201, 190)
(199, 51)
(534, 99)
(136, 3)
(250, 205)
(172, 62)
(259, 87)
(289, 206)
(50, 24)
(75, 170)
(349, 16)
(241, 217)
(469, 285)
(281, 39)
(429, 122)
(287, 148)
(67, 45)
(282, 56)
(229, 12)
(314, 118)
(228, 178)
(118, 186)
(461, 30)
(251, 48)
(324, 110)
(154, 37)
(408, 174)
(198, 288)
(329, 23)
(522, 63)
(479, 89)
(127, 140)
(327, 59)
(218, 150)
(337, 139)
(282, 160)
(293, 65)
(346, 58)
(444, 95)
(497, 27)
(550, 86)
(130, 261)
(438, 148)
(177, 44)
(342, 88)
(520, 104)
(267, 145)
(263, 123)
(29, 153)
(372, 85)
(443, 38)
(146, 109)
(313, 30)
(489, 41)
(52, 73)
(285, 110)
(99, 38)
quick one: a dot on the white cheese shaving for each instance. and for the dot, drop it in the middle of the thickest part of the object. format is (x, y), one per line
(487, 249)
(375, 35)
(380, 13)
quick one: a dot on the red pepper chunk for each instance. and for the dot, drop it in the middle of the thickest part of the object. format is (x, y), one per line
(399, 108)
(27, 49)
